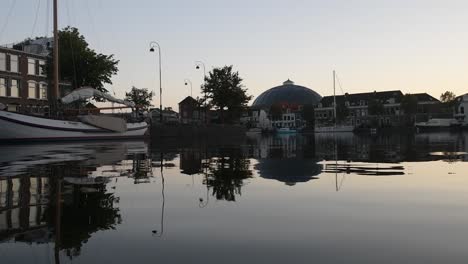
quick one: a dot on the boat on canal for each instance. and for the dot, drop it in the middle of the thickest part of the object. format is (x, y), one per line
(17, 127)
(20, 127)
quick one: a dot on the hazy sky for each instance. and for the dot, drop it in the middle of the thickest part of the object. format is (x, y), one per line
(414, 46)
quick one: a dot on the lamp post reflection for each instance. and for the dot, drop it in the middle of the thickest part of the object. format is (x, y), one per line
(161, 230)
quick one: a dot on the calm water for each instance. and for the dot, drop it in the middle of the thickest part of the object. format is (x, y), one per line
(294, 199)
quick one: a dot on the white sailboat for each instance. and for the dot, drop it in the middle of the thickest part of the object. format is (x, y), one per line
(21, 127)
(336, 128)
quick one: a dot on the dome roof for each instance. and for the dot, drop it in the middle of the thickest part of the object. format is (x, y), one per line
(287, 93)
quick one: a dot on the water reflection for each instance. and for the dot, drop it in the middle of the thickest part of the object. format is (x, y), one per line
(286, 158)
(67, 194)
(58, 193)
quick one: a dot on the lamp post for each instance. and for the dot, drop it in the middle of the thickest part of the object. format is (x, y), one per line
(154, 44)
(187, 81)
(197, 66)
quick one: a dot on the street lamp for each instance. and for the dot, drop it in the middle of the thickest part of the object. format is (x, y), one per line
(197, 66)
(187, 81)
(154, 44)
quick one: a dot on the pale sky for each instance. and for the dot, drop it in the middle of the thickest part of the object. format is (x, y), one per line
(412, 45)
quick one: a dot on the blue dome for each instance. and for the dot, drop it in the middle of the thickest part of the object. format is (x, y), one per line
(288, 93)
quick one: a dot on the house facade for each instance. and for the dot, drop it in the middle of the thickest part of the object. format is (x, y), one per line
(360, 108)
(190, 111)
(23, 85)
(460, 108)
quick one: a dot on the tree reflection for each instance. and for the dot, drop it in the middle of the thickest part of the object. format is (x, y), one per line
(225, 174)
(85, 210)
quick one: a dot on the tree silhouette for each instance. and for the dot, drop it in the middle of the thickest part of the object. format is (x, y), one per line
(79, 64)
(226, 174)
(141, 97)
(223, 89)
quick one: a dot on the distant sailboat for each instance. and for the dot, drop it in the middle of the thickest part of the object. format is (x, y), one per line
(336, 128)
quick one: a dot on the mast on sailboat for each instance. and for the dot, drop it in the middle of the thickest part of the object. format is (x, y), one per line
(55, 94)
(334, 98)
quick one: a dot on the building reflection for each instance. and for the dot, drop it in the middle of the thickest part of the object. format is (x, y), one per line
(285, 158)
(23, 203)
(392, 148)
(30, 195)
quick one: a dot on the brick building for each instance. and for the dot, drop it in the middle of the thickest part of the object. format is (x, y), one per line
(23, 85)
(191, 112)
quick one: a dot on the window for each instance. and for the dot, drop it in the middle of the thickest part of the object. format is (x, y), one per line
(2, 62)
(32, 89)
(41, 66)
(13, 63)
(31, 66)
(43, 91)
(462, 110)
(14, 88)
(3, 87)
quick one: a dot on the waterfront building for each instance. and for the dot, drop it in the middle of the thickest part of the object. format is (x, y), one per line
(460, 108)
(169, 116)
(191, 111)
(359, 113)
(284, 104)
(23, 84)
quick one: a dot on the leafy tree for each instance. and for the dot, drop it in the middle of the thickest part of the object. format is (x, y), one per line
(226, 174)
(342, 112)
(376, 107)
(223, 89)
(276, 111)
(409, 104)
(308, 114)
(141, 97)
(447, 97)
(79, 64)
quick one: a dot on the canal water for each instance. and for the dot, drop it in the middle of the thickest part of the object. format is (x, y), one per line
(276, 199)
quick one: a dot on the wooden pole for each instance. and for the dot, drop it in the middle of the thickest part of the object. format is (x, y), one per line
(55, 93)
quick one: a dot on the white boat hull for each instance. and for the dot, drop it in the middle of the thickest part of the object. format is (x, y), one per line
(332, 129)
(286, 131)
(18, 127)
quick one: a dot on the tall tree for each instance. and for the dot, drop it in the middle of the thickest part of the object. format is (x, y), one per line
(376, 107)
(308, 114)
(141, 97)
(409, 104)
(447, 97)
(79, 64)
(223, 89)
(276, 111)
(342, 112)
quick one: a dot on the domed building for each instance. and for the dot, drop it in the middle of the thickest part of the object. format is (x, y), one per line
(290, 98)
(286, 94)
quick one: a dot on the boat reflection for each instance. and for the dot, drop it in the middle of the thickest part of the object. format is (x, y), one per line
(78, 181)
(60, 195)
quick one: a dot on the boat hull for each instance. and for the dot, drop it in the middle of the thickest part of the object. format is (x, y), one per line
(332, 129)
(18, 128)
(286, 131)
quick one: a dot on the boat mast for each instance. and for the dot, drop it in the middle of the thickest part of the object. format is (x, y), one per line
(55, 94)
(334, 98)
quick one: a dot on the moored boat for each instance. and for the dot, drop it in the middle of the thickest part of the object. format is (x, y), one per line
(334, 129)
(437, 124)
(286, 130)
(20, 127)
